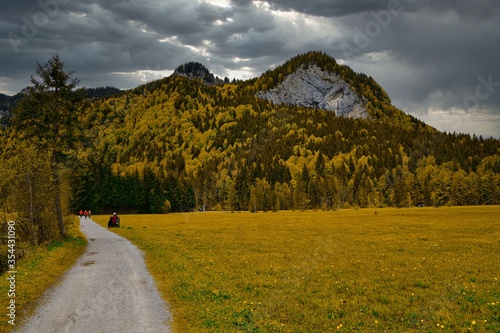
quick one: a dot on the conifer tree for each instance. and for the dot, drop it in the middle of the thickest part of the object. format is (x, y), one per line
(48, 116)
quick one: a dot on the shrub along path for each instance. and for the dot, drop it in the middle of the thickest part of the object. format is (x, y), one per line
(107, 290)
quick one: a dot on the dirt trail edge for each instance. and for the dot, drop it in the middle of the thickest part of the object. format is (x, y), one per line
(107, 290)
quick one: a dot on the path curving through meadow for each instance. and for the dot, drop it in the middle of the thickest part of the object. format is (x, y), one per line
(107, 290)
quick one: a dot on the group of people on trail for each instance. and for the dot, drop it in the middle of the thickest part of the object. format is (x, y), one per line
(86, 213)
(114, 221)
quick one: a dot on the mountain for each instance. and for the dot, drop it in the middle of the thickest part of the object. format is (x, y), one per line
(315, 80)
(195, 70)
(308, 134)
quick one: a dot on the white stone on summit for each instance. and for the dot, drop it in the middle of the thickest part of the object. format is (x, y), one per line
(315, 88)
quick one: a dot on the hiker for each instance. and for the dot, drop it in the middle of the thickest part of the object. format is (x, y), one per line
(86, 213)
(114, 221)
(81, 213)
(90, 214)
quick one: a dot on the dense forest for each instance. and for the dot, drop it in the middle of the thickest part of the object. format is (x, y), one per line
(178, 144)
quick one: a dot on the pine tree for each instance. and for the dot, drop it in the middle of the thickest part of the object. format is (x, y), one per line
(48, 116)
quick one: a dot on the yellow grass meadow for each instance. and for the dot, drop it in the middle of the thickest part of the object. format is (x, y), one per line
(383, 270)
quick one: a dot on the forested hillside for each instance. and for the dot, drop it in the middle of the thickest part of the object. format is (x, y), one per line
(177, 144)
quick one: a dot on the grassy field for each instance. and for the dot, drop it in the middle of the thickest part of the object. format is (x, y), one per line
(384, 270)
(40, 269)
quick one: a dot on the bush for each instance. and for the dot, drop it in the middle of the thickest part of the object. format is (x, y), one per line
(167, 207)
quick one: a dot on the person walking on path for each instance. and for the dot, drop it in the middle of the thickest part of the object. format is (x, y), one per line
(86, 213)
(81, 213)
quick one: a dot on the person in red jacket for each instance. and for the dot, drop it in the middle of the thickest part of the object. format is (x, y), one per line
(113, 221)
(81, 213)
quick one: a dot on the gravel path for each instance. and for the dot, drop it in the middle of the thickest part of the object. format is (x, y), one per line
(107, 290)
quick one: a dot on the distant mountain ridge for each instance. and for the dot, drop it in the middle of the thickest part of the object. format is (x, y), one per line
(313, 80)
(9, 103)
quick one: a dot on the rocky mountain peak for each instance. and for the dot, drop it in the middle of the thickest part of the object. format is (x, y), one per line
(195, 70)
(315, 88)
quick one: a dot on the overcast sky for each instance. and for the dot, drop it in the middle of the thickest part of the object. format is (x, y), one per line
(438, 60)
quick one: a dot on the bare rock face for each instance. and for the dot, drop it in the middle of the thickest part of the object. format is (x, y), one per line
(315, 88)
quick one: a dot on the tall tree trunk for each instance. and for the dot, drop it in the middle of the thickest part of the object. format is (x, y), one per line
(32, 218)
(57, 200)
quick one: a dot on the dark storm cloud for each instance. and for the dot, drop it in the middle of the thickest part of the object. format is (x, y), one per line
(483, 9)
(329, 8)
(428, 55)
(459, 44)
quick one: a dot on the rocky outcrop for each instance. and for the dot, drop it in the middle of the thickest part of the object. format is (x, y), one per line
(315, 88)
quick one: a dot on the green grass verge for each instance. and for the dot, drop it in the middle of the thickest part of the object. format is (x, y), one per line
(384, 270)
(40, 269)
